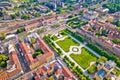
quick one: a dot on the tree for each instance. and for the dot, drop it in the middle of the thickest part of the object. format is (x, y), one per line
(33, 40)
(81, 13)
(71, 8)
(17, 14)
(3, 59)
(3, 64)
(48, 10)
(37, 14)
(1, 14)
(70, 16)
(102, 59)
(118, 23)
(113, 7)
(13, 16)
(3, 35)
(37, 52)
(20, 30)
(116, 41)
(25, 17)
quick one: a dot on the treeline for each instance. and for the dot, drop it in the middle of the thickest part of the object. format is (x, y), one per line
(76, 69)
(75, 35)
(104, 53)
(52, 45)
(113, 7)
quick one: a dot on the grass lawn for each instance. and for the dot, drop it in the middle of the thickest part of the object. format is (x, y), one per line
(54, 38)
(92, 69)
(66, 43)
(84, 58)
(117, 72)
(63, 33)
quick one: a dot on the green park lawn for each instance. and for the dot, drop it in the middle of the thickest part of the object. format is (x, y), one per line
(84, 58)
(92, 69)
(62, 32)
(66, 43)
(54, 38)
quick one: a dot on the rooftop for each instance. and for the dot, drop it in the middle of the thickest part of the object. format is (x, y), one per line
(101, 73)
(110, 64)
(29, 48)
(13, 68)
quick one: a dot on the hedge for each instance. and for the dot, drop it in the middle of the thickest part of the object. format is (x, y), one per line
(102, 52)
(75, 35)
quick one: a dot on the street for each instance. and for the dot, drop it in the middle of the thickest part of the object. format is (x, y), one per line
(22, 59)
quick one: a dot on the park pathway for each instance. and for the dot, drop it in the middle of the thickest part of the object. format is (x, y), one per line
(85, 46)
(67, 54)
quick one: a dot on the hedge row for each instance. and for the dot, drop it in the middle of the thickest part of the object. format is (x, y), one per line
(75, 35)
(52, 45)
(104, 53)
(76, 69)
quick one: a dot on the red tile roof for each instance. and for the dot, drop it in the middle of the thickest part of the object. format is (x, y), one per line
(14, 60)
(41, 58)
(117, 46)
(58, 71)
(4, 76)
(37, 78)
(66, 72)
(26, 52)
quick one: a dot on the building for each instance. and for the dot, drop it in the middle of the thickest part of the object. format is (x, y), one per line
(53, 4)
(40, 1)
(102, 10)
(105, 71)
(14, 68)
(116, 15)
(5, 4)
(28, 51)
(53, 70)
(90, 30)
(33, 24)
(90, 15)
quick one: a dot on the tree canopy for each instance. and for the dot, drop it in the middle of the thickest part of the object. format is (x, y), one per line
(3, 35)
(113, 7)
(3, 59)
